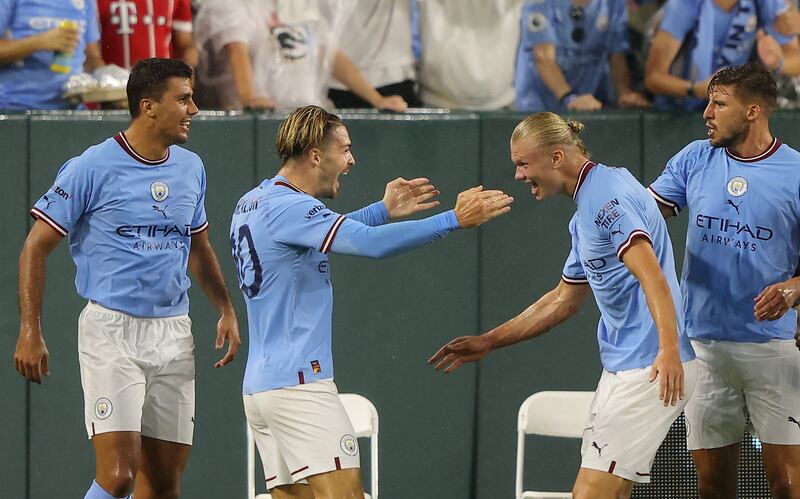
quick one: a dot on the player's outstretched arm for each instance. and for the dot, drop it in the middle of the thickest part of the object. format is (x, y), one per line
(31, 358)
(555, 307)
(473, 208)
(205, 268)
(406, 197)
(401, 198)
(642, 262)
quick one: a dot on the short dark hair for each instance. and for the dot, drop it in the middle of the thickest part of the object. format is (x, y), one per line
(305, 128)
(149, 78)
(750, 82)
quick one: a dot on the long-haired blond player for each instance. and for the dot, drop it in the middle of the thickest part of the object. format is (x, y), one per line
(622, 253)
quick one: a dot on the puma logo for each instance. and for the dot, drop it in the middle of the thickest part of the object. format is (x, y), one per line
(599, 449)
(735, 206)
(163, 212)
(793, 420)
(49, 202)
(617, 231)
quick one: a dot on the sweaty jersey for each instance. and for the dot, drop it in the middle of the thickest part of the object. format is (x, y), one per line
(743, 235)
(30, 83)
(130, 222)
(584, 38)
(280, 239)
(613, 209)
(139, 29)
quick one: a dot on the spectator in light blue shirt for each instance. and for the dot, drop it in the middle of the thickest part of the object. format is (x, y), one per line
(696, 38)
(571, 54)
(30, 36)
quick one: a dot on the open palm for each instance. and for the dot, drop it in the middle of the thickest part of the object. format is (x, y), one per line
(405, 197)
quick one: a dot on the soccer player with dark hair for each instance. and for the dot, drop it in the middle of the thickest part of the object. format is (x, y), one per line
(281, 235)
(133, 208)
(622, 253)
(742, 188)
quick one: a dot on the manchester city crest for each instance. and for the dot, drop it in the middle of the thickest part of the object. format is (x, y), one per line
(349, 445)
(103, 408)
(159, 190)
(737, 186)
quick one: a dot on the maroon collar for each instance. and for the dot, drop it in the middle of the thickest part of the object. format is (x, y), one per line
(774, 146)
(286, 183)
(122, 140)
(582, 176)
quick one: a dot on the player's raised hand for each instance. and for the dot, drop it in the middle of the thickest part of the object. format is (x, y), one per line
(476, 206)
(667, 368)
(774, 301)
(227, 329)
(31, 356)
(405, 197)
(460, 351)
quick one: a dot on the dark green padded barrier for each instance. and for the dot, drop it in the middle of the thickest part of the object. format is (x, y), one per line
(391, 315)
(522, 255)
(58, 437)
(13, 408)
(217, 464)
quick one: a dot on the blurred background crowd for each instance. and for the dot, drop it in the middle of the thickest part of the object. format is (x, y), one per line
(531, 55)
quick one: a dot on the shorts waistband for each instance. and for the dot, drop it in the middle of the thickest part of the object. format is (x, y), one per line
(93, 305)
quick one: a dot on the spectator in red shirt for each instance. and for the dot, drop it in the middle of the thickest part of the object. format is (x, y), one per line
(138, 29)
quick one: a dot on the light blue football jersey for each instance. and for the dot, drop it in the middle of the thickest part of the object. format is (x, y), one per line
(29, 83)
(600, 30)
(280, 239)
(743, 235)
(129, 222)
(613, 209)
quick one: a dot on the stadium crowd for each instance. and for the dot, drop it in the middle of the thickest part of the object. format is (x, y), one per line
(526, 55)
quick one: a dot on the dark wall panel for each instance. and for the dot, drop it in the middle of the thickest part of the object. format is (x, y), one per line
(217, 464)
(13, 220)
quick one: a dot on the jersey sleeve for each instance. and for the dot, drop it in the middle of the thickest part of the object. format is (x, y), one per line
(67, 199)
(373, 215)
(537, 24)
(573, 272)
(92, 23)
(680, 17)
(199, 220)
(768, 11)
(620, 219)
(182, 16)
(301, 220)
(358, 239)
(669, 188)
